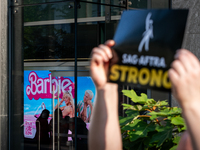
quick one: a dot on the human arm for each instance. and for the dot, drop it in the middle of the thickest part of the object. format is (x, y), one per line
(104, 133)
(185, 78)
(90, 104)
(185, 142)
(59, 105)
(91, 109)
(35, 116)
(43, 105)
(78, 109)
(66, 111)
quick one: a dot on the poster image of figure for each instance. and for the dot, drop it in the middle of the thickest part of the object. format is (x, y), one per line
(85, 107)
(69, 108)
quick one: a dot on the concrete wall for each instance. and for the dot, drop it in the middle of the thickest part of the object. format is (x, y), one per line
(192, 33)
(3, 75)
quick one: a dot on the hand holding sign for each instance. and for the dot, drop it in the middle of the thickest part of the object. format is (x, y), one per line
(184, 75)
(100, 58)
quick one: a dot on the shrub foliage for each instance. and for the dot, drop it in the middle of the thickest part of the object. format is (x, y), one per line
(150, 124)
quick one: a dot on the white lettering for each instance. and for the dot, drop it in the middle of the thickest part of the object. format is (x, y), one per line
(40, 81)
(66, 85)
(56, 87)
(152, 61)
(130, 59)
(32, 79)
(45, 85)
(162, 62)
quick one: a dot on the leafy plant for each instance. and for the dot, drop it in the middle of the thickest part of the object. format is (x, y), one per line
(149, 124)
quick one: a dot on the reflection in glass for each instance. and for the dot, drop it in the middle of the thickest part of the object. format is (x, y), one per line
(49, 30)
(49, 42)
(57, 41)
(39, 1)
(112, 2)
(48, 12)
(142, 4)
(49, 36)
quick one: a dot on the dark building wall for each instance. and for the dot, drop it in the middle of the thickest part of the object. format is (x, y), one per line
(192, 33)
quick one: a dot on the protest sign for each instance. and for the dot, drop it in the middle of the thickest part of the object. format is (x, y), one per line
(146, 41)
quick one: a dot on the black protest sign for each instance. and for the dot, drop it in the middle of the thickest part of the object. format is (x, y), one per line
(146, 41)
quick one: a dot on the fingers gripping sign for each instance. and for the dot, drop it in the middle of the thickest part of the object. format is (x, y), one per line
(185, 77)
(100, 58)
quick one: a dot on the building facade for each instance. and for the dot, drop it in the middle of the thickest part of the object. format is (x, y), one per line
(45, 46)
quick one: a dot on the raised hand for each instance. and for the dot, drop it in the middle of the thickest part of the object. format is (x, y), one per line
(100, 58)
(185, 78)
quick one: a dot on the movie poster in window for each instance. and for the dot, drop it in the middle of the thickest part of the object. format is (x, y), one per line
(38, 95)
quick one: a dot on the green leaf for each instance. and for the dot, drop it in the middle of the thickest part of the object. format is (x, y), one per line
(151, 101)
(144, 97)
(184, 128)
(141, 130)
(136, 99)
(125, 120)
(179, 129)
(138, 107)
(133, 107)
(161, 103)
(127, 106)
(160, 137)
(145, 107)
(149, 136)
(162, 114)
(176, 109)
(176, 139)
(164, 128)
(168, 126)
(131, 126)
(178, 121)
(166, 112)
(174, 147)
(130, 112)
(153, 117)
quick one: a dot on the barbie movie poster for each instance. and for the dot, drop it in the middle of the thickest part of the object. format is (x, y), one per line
(38, 95)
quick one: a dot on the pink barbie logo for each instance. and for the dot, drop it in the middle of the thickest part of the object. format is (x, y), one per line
(42, 87)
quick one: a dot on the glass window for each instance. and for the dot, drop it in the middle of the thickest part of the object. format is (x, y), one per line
(46, 40)
(50, 86)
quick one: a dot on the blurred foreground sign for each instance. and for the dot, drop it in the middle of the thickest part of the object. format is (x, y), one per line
(146, 41)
